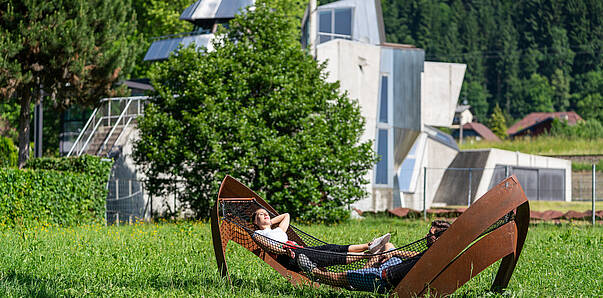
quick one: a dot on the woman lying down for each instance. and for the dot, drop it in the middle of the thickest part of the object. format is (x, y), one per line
(380, 273)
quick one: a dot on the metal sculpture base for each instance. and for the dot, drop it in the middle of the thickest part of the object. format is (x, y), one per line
(452, 261)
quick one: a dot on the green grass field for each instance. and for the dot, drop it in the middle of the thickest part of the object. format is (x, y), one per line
(177, 260)
(543, 145)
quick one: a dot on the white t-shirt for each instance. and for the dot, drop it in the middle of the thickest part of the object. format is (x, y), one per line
(275, 234)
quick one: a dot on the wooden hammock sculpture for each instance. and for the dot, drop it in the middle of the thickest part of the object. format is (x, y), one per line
(493, 228)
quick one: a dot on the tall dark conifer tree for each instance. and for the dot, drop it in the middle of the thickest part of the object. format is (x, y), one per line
(69, 51)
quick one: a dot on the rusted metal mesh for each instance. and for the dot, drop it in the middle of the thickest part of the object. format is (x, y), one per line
(323, 262)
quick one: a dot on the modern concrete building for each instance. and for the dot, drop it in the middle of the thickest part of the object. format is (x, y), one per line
(403, 99)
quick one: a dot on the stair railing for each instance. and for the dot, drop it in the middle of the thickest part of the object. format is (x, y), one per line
(121, 133)
(82, 133)
(77, 149)
(131, 116)
(121, 116)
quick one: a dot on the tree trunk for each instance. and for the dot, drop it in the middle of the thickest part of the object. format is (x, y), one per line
(24, 127)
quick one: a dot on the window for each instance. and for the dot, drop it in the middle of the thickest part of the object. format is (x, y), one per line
(383, 102)
(381, 168)
(334, 23)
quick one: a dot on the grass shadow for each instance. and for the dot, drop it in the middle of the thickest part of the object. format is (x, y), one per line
(30, 286)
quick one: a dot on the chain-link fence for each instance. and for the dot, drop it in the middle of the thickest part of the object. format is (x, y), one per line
(128, 201)
(583, 183)
(462, 186)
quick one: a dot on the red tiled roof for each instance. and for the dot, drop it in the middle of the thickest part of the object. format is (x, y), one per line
(535, 118)
(481, 130)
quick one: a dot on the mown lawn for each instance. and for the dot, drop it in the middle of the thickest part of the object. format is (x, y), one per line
(177, 260)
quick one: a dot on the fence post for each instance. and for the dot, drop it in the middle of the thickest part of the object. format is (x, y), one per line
(469, 194)
(109, 113)
(594, 192)
(116, 189)
(425, 193)
(506, 172)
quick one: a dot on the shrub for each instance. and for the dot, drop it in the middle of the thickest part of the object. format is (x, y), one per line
(589, 129)
(8, 153)
(497, 123)
(56, 191)
(85, 164)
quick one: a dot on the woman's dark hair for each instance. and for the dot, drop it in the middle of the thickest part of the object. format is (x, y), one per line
(440, 226)
(255, 215)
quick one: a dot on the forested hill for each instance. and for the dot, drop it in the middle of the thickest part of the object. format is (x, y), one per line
(526, 56)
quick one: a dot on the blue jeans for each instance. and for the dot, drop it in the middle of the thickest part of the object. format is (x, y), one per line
(369, 279)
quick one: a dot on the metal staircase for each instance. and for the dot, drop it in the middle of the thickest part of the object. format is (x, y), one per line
(107, 125)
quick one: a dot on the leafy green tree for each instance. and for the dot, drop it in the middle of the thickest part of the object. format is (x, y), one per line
(561, 90)
(588, 101)
(69, 52)
(258, 108)
(8, 153)
(535, 95)
(477, 96)
(9, 119)
(584, 31)
(498, 123)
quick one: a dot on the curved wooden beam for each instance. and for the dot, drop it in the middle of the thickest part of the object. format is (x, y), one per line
(494, 246)
(507, 266)
(224, 231)
(505, 197)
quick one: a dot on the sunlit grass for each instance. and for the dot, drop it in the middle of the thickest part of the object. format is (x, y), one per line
(177, 260)
(542, 145)
(564, 206)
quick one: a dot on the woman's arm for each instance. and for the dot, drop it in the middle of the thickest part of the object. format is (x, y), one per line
(268, 245)
(282, 221)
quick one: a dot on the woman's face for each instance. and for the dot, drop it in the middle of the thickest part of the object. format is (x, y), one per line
(262, 218)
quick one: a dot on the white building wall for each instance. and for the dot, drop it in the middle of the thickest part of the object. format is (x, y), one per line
(440, 89)
(518, 159)
(436, 156)
(357, 67)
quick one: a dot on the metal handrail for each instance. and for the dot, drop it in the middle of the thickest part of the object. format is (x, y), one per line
(123, 98)
(121, 133)
(82, 133)
(90, 136)
(95, 123)
(100, 149)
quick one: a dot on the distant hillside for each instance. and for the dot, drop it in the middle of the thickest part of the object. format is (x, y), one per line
(527, 56)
